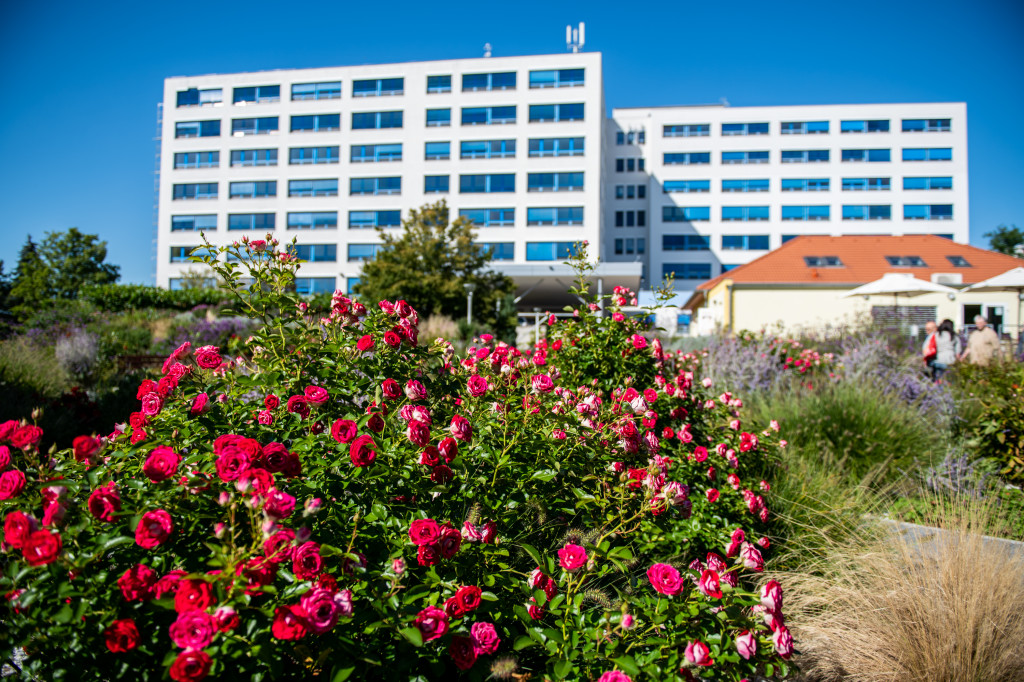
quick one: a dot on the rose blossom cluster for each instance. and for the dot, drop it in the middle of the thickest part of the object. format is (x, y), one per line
(434, 541)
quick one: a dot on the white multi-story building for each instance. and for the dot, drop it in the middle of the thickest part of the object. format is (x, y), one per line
(694, 191)
(523, 147)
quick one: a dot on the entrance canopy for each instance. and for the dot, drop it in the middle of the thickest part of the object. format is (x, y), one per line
(547, 286)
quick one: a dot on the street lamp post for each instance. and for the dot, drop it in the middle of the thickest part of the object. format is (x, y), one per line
(470, 287)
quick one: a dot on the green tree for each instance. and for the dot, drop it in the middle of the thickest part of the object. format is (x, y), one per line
(429, 265)
(5, 286)
(59, 267)
(1005, 239)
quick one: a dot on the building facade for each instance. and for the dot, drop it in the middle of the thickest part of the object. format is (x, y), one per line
(524, 148)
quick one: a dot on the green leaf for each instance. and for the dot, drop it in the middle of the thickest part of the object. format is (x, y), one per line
(523, 643)
(627, 664)
(562, 669)
(342, 674)
(412, 635)
(534, 554)
(544, 474)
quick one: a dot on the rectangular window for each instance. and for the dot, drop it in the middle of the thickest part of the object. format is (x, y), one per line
(630, 165)
(439, 118)
(437, 84)
(314, 285)
(558, 78)
(362, 252)
(316, 123)
(257, 94)
(928, 154)
(321, 220)
(687, 130)
(490, 217)
(823, 262)
(906, 261)
(928, 183)
(745, 213)
(254, 157)
(867, 212)
(928, 212)
(197, 160)
(498, 250)
(194, 223)
(926, 125)
(759, 185)
(368, 153)
(487, 149)
(805, 184)
(325, 90)
(687, 158)
(197, 129)
(556, 146)
(374, 87)
(472, 116)
(315, 253)
(438, 151)
(180, 254)
(958, 262)
(865, 184)
(804, 127)
(540, 113)
(745, 157)
(487, 184)
(680, 271)
(685, 214)
(252, 190)
(872, 155)
(194, 97)
(313, 188)
(554, 182)
(865, 126)
(362, 220)
(376, 186)
(685, 242)
(252, 221)
(566, 215)
(744, 129)
(805, 156)
(547, 251)
(253, 126)
(745, 242)
(670, 186)
(370, 120)
(805, 212)
(472, 82)
(641, 191)
(298, 156)
(630, 191)
(202, 190)
(435, 184)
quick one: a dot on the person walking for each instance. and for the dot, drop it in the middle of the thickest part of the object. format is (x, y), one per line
(947, 349)
(929, 351)
(982, 344)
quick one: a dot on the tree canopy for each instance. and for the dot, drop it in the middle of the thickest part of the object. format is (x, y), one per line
(429, 263)
(1005, 239)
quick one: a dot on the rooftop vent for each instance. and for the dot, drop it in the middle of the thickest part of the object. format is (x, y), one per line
(947, 278)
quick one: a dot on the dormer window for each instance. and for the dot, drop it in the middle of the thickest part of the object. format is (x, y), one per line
(958, 261)
(823, 261)
(906, 261)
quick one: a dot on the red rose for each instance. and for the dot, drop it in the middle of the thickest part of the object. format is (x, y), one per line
(161, 464)
(392, 339)
(257, 572)
(193, 595)
(298, 405)
(226, 619)
(306, 561)
(450, 541)
(11, 484)
(418, 433)
(168, 583)
(27, 437)
(231, 463)
(290, 622)
(375, 423)
(5, 457)
(448, 448)
(104, 502)
(432, 623)
(153, 530)
(477, 385)
(363, 451)
(208, 357)
(147, 386)
(190, 666)
(17, 528)
(441, 474)
(453, 608)
(461, 429)
(391, 389)
(485, 638)
(708, 584)
(463, 652)
(8, 428)
(137, 583)
(665, 579)
(275, 457)
(343, 430)
(278, 547)
(428, 555)
(430, 456)
(166, 385)
(41, 547)
(365, 343)
(193, 630)
(85, 448)
(712, 494)
(136, 420)
(199, 404)
(468, 597)
(271, 401)
(316, 395)
(279, 504)
(697, 653)
(152, 403)
(121, 636)
(424, 532)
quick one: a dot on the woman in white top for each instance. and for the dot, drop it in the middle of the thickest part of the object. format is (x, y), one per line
(947, 344)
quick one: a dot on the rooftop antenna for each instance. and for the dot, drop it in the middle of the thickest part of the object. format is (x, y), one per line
(487, 49)
(574, 38)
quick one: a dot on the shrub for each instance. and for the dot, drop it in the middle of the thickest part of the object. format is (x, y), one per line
(996, 400)
(341, 502)
(120, 297)
(77, 353)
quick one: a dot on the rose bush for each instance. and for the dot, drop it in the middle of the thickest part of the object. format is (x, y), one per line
(342, 502)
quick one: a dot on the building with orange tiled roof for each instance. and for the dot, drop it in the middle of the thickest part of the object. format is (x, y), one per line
(801, 285)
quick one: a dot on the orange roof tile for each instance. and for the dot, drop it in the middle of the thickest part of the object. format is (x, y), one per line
(864, 261)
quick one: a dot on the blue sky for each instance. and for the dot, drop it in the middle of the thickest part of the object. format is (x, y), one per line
(79, 82)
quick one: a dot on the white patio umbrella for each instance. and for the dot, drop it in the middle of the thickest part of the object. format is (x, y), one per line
(899, 284)
(1011, 280)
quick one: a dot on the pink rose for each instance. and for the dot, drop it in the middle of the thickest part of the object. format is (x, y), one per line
(316, 395)
(572, 557)
(665, 579)
(751, 557)
(418, 433)
(485, 638)
(639, 342)
(697, 652)
(279, 504)
(11, 484)
(477, 385)
(709, 585)
(746, 644)
(208, 357)
(161, 464)
(783, 642)
(199, 404)
(152, 403)
(153, 530)
(615, 675)
(771, 596)
(231, 463)
(265, 417)
(306, 561)
(323, 608)
(193, 630)
(461, 429)
(414, 390)
(432, 623)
